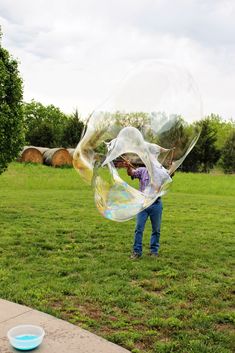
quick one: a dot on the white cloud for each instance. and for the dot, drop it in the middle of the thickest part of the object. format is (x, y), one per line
(72, 53)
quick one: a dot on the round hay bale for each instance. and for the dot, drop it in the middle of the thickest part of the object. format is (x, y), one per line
(71, 151)
(42, 149)
(31, 154)
(57, 157)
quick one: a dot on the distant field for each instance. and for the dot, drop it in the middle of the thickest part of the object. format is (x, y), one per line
(58, 255)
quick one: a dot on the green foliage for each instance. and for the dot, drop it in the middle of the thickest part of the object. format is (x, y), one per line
(205, 154)
(223, 129)
(11, 118)
(176, 134)
(135, 119)
(42, 135)
(73, 130)
(44, 124)
(228, 154)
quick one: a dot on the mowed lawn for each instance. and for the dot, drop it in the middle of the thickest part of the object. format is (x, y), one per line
(58, 255)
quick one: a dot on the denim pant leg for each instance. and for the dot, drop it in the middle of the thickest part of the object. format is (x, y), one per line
(140, 223)
(155, 212)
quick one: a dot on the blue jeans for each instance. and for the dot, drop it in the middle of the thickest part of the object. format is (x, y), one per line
(155, 213)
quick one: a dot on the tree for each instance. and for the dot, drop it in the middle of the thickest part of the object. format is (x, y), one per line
(205, 154)
(11, 117)
(73, 130)
(44, 124)
(228, 154)
(42, 135)
(222, 127)
(136, 119)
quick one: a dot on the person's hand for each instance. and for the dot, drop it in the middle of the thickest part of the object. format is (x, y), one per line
(126, 164)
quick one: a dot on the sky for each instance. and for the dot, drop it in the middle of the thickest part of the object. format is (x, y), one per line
(73, 53)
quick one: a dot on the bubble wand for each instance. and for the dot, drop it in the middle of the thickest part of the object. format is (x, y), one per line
(128, 162)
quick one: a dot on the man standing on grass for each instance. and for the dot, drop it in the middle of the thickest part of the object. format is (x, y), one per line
(154, 211)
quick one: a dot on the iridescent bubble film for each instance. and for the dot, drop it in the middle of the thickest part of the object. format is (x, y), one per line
(151, 118)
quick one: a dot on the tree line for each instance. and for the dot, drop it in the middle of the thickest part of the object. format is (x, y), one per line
(47, 126)
(215, 146)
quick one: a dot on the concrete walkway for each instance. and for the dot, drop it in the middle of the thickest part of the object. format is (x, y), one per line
(60, 337)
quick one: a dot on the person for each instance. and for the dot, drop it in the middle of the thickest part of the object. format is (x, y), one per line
(154, 212)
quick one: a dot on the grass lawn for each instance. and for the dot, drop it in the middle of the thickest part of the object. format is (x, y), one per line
(58, 255)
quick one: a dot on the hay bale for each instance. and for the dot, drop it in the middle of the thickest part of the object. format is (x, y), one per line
(32, 154)
(71, 151)
(57, 157)
(42, 149)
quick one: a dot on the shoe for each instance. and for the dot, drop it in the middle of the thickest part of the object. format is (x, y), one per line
(135, 256)
(153, 254)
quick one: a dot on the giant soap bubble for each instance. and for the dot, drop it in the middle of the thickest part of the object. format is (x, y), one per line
(153, 114)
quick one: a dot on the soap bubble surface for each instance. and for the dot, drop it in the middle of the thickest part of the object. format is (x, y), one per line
(151, 117)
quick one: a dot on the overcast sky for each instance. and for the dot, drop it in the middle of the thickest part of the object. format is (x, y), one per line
(73, 52)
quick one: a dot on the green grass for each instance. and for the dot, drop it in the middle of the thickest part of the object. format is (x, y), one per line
(58, 255)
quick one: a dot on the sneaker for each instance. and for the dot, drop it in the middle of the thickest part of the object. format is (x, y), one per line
(153, 254)
(135, 255)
